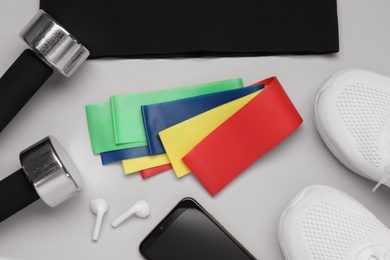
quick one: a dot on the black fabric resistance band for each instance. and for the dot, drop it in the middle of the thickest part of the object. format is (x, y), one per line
(196, 28)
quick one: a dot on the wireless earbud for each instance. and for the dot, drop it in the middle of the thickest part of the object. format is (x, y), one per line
(140, 209)
(99, 207)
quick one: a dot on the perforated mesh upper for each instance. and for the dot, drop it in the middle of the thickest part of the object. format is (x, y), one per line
(332, 231)
(365, 111)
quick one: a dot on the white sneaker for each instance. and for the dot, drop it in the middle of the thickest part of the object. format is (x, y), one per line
(352, 115)
(322, 223)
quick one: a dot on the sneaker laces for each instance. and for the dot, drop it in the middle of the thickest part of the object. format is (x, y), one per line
(375, 253)
(385, 177)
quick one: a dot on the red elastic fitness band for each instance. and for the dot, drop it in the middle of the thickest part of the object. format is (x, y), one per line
(251, 132)
(146, 173)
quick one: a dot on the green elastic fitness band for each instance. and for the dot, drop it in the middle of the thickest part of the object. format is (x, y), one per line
(126, 109)
(101, 131)
(100, 116)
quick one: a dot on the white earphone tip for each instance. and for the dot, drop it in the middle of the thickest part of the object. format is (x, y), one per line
(143, 209)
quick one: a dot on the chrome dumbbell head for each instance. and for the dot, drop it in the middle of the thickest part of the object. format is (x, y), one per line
(51, 171)
(53, 44)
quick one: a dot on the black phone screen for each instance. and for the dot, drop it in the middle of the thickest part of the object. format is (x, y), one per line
(189, 232)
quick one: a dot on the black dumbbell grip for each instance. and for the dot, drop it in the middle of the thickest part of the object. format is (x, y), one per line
(16, 193)
(19, 83)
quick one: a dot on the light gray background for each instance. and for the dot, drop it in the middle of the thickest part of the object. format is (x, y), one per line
(249, 207)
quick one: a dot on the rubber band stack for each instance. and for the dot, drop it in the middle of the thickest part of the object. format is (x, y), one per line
(213, 130)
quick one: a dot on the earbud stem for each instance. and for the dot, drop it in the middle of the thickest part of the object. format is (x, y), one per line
(122, 217)
(98, 224)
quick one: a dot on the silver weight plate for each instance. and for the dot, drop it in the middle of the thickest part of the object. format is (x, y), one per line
(51, 171)
(53, 44)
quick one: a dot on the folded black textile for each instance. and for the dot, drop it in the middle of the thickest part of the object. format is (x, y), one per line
(196, 28)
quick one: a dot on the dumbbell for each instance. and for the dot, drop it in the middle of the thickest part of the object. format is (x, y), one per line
(51, 47)
(47, 173)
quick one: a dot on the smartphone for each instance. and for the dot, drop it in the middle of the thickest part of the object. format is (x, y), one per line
(190, 232)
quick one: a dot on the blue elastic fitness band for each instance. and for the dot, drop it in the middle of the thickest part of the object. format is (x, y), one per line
(158, 117)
